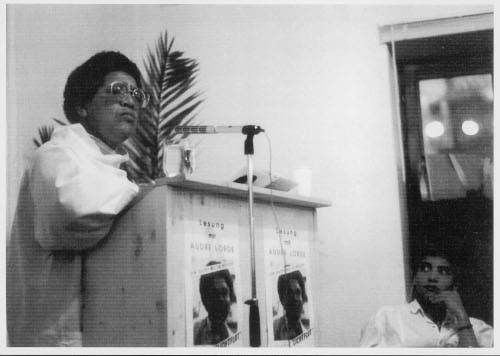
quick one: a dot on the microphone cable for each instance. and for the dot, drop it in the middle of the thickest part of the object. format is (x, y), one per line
(285, 265)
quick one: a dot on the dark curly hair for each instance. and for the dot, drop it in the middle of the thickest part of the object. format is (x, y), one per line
(285, 278)
(84, 82)
(437, 250)
(207, 280)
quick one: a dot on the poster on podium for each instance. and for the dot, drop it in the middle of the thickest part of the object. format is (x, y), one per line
(213, 286)
(288, 293)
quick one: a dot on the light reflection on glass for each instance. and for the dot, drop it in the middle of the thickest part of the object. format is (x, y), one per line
(470, 127)
(434, 129)
(453, 102)
(457, 124)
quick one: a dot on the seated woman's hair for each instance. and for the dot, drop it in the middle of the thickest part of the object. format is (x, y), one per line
(429, 249)
(84, 82)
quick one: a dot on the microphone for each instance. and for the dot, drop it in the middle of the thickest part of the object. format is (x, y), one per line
(247, 129)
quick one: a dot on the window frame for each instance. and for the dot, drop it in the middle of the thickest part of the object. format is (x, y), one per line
(419, 51)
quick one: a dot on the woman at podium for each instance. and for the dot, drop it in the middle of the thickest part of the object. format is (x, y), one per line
(70, 193)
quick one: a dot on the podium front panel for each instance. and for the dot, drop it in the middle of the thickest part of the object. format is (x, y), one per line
(124, 280)
(142, 283)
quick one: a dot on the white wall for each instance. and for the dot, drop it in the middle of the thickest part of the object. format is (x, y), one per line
(315, 77)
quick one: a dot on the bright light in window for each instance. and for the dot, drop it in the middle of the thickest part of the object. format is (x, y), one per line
(434, 129)
(470, 127)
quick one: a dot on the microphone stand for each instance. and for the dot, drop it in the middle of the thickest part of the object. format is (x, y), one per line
(254, 317)
(250, 131)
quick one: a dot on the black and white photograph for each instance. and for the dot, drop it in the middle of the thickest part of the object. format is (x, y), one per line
(216, 323)
(181, 177)
(291, 321)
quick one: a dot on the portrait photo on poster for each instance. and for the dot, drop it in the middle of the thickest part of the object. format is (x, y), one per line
(215, 308)
(290, 308)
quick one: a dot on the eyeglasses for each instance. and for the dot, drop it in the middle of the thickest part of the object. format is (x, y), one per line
(121, 89)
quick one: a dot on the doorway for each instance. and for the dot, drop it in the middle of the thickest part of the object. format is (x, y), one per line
(445, 86)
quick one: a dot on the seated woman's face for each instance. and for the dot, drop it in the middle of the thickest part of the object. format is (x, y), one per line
(433, 276)
(113, 117)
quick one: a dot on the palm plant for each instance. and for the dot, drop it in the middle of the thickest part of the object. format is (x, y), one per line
(170, 78)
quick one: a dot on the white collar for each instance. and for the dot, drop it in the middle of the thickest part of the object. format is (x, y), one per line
(415, 307)
(76, 137)
(105, 149)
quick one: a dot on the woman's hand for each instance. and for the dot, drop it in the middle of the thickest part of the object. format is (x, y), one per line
(454, 304)
(466, 336)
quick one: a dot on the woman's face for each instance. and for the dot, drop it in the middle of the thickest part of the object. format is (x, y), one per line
(218, 300)
(433, 276)
(292, 300)
(112, 118)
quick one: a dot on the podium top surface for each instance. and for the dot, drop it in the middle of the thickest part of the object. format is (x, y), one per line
(241, 190)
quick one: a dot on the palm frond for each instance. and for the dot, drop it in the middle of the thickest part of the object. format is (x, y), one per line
(45, 133)
(170, 80)
(60, 122)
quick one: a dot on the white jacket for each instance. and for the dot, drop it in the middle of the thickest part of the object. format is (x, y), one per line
(69, 196)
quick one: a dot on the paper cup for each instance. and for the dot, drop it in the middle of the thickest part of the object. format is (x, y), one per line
(303, 177)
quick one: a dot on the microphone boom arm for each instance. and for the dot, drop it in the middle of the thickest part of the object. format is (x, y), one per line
(247, 129)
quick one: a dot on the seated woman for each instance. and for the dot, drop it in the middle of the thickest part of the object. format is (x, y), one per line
(435, 317)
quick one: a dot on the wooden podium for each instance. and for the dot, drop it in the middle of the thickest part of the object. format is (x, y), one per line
(137, 282)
